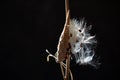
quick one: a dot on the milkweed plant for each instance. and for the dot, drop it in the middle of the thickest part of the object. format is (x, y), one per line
(75, 42)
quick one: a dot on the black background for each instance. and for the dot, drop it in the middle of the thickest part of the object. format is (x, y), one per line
(28, 27)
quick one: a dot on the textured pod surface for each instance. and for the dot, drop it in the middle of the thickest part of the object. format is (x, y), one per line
(63, 44)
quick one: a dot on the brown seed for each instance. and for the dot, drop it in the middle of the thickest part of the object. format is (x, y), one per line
(81, 45)
(79, 30)
(70, 35)
(77, 40)
(68, 49)
(69, 45)
(82, 34)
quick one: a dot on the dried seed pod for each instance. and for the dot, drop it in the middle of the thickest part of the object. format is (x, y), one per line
(73, 41)
(63, 43)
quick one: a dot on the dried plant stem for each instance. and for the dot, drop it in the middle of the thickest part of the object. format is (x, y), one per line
(67, 6)
(67, 68)
(62, 65)
(67, 71)
(67, 10)
(68, 55)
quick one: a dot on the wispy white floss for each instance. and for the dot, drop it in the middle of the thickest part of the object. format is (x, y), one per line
(82, 43)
